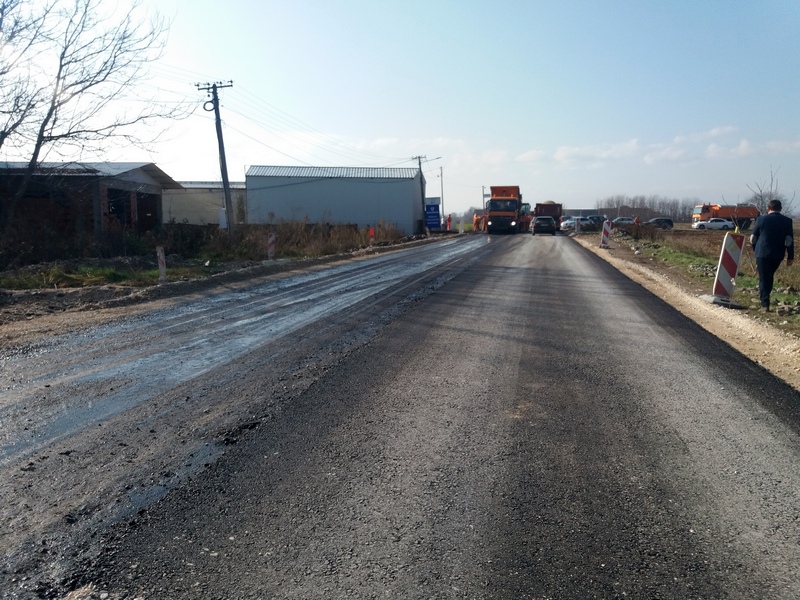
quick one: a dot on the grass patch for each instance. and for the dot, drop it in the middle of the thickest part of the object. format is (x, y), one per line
(691, 261)
(696, 254)
(63, 276)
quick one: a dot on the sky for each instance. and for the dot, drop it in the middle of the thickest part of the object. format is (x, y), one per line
(575, 101)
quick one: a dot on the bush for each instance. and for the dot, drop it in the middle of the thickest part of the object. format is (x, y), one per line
(250, 242)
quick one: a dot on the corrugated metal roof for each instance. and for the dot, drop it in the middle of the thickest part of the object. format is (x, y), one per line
(333, 172)
(212, 185)
(99, 169)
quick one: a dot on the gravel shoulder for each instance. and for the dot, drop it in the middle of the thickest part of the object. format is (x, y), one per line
(26, 315)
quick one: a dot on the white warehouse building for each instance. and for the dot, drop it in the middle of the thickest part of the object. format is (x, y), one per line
(337, 195)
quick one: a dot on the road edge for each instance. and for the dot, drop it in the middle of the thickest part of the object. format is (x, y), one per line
(772, 349)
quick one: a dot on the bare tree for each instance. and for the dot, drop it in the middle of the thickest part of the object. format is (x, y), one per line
(619, 205)
(764, 192)
(72, 78)
(21, 37)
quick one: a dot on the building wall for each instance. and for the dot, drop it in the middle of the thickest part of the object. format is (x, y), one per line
(360, 201)
(199, 206)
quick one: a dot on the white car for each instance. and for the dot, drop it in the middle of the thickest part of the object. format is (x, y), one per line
(567, 224)
(585, 224)
(715, 223)
(623, 221)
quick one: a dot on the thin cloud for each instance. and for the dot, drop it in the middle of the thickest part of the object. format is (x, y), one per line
(745, 149)
(494, 157)
(599, 152)
(715, 151)
(718, 131)
(531, 156)
(781, 147)
(702, 136)
(670, 153)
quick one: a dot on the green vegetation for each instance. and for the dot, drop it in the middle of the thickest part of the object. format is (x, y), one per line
(192, 252)
(692, 261)
(696, 254)
(74, 274)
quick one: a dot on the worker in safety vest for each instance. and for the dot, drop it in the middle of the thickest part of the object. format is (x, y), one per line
(449, 220)
(476, 222)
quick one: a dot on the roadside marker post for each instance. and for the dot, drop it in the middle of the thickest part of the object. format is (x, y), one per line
(728, 267)
(606, 234)
(271, 246)
(162, 265)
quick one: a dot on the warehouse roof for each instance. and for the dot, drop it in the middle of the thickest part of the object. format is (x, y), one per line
(95, 169)
(333, 172)
(211, 185)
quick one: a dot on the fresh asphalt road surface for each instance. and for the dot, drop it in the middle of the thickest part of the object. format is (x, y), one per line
(531, 424)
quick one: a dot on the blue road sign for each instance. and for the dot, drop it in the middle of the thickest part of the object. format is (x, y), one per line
(432, 218)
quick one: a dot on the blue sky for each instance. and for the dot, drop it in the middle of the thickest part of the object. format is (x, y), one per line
(574, 101)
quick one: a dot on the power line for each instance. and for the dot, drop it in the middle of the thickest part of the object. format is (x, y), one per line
(275, 121)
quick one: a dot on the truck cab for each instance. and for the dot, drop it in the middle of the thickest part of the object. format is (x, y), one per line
(504, 210)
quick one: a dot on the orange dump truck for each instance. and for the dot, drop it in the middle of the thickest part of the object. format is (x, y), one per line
(548, 208)
(742, 215)
(506, 212)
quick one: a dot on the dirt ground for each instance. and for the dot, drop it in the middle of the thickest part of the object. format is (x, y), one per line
(26, 315)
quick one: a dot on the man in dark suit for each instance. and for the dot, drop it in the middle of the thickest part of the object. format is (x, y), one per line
(772, 238)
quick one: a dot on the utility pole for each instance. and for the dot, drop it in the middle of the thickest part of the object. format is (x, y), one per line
(223, 165)
(441, 182)
(422, 184)
(421, 189)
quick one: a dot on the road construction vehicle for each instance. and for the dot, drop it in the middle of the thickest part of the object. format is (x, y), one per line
(505, 211)
(742, 215)
(548, 208)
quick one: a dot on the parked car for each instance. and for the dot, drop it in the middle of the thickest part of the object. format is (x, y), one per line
(544, 225)
(715, 223)
(598, 220)
(623, 221)
(567, 224)
(660, 223)
(586, 224)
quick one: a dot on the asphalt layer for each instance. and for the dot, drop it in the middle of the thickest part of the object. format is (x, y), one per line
(524, 422)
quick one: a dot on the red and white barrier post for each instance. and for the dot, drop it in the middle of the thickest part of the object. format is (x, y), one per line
(728, 267)
(271, 246)
(606, 234)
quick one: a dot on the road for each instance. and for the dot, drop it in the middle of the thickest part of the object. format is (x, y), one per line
(489, 417)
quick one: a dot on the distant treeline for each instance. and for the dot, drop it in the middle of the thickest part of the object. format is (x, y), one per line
(680, 211)
(647, 207)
